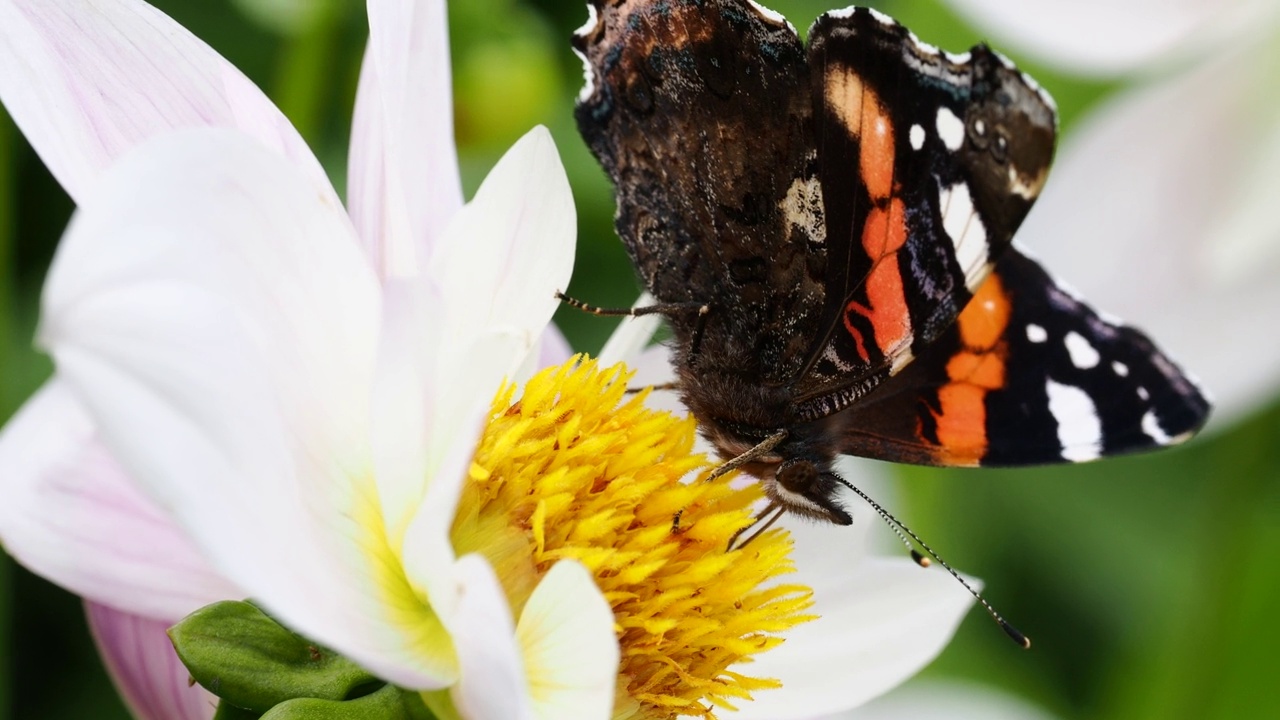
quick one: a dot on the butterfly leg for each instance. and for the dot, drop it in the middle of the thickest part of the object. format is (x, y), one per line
(762, 448)
(772, 511)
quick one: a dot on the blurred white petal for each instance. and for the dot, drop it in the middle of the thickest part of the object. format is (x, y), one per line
(933, 700)
(1160, 210)
(1107, 37)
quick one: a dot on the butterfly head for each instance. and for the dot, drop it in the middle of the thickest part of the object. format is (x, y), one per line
(795, 472)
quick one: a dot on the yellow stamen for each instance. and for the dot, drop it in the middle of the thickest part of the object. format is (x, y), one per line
(571, 471)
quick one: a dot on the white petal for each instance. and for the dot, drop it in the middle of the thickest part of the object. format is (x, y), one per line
(87, 81)
(1112, 36)
(215, 316)
(507, 252)
(71, 514)
(493, 684)
(881, 622)
(934, 700)
(431, 398)
(140, 659)
(570, 649)
(1178, 158)
(404, 185)
(456, 421)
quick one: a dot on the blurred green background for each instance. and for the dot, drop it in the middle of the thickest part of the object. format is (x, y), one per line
(1149, 584)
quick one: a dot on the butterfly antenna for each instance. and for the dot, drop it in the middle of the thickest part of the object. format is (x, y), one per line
(899, 528)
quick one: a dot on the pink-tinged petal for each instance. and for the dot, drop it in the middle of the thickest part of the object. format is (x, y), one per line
(218, 321)
(493, 685)
(404, 186)
(881, 621)
(72, 515)
(934, 700)
(570, 648)
(1147, 215)
(554, 348)
(87, 81)
(139, 657)
(1112, 36)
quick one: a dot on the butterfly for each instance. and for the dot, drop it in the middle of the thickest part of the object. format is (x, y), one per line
(828, 228)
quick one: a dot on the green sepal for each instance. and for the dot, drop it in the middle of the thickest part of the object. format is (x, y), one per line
(389, 703)
(237, 652)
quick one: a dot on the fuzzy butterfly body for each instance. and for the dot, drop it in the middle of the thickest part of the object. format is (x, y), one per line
(845, 209)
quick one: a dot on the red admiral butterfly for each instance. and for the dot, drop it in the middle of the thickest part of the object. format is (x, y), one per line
(842, 214)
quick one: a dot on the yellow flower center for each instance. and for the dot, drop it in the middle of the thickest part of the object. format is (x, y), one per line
(570, 470)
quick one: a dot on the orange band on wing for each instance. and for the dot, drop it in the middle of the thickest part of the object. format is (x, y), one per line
(884, 233)
(876, 156)
(978, 369)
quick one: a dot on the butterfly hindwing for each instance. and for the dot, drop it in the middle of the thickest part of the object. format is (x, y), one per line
(928, 163)
(1027, 375)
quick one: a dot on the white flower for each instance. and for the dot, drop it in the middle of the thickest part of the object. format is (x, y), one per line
(1161, 204)
(261, 394)
(256, 394)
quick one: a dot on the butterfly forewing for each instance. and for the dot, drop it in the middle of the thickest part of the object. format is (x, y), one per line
(928, 162)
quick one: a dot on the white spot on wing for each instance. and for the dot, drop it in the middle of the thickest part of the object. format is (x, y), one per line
(1121, 369)
(1036, 334)
(1083, 354)
(842, 13)
(588, 77)
(1151, 426)
(965, 229)
(950, 128)
(960, 58)
(1142, 393)
(1079, 429)
(593, 19)
(917, 137)
(803, 208)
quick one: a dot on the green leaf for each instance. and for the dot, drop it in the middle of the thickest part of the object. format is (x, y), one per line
(389, 703)
(235, 651)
